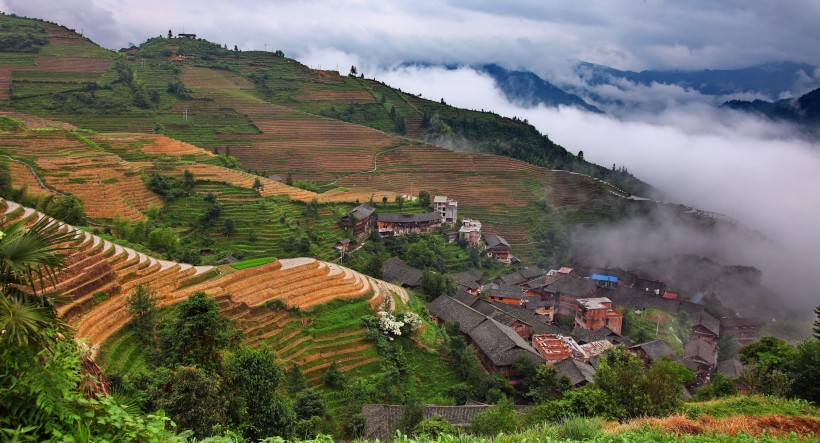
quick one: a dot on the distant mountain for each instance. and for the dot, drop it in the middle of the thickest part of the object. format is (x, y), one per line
(770, 79)
(527, 89)
(804, 110)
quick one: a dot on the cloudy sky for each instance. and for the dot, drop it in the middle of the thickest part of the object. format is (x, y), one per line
(535, 34)
(761, 173)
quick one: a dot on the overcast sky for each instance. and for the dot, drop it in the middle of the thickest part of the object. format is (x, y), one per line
(535, 34)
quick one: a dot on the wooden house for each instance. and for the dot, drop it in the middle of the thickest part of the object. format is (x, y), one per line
(359, 220)
(401, 224)
(744, 330)
(498, 249)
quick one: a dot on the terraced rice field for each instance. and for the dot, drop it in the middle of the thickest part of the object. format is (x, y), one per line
(21, 175)
(107, 185)
(5, 83)
(73, 64)
(99, 275)
(290, 140)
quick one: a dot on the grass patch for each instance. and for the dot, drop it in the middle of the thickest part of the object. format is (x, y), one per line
(750, 405)
(252, 263)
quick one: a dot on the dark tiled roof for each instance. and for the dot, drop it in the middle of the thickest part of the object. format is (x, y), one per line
(395, 270)
(501, 344)
(576, 371)
(732, 367)
(490, 310)
(571, 287)
(655, 350)
(701, 350)
(522, 275)
(537, 322)
(410, 218)
(702, 318)
(473, 275)
(495, 241)
(450, 309)
(584, 335)
(466, 298)
(361, 212)
(503, 291)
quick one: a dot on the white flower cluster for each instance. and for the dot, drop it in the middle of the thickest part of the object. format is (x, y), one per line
(388, 324)
(392, 325)
(412, 320)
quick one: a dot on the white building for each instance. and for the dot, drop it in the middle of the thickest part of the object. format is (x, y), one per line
(470, 231)
(447, 208)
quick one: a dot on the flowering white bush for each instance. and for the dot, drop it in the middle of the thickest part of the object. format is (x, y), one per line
(404, 323)
(412, 320)
(389, 324)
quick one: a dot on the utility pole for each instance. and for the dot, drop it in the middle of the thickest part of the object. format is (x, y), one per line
(185, 114)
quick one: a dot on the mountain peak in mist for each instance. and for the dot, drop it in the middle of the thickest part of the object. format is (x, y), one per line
(770, 79)
(529, 90)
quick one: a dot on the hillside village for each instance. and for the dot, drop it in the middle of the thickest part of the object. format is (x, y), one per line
(256, 248)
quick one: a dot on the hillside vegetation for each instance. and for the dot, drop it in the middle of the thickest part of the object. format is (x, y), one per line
(357, 138)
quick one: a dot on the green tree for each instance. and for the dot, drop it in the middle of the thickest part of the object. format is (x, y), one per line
(289, 179)
(229, 228)
(631, 391)
(721, 386)
(195, 400)
(257, 185)
(806, 371)
(769, 352)
(546, 384)
(142, 307)
(188, 181)
(69, 209)
(295, 379)
(424, 199)
(433, 284)
(309, 404)
(434, 427)
(500, 418)
(411, 415)
(333, 378)
(374, 266)
(400, 201)
(30, 259)
(163, 240)
(254, 376)
(198, 334)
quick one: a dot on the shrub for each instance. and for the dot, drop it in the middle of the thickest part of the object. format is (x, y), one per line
(579, 428)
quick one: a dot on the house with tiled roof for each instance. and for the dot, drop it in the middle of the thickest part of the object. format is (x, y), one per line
(498, 345)
(501, 293)
(744, 330)
(401, 224)
(469, 280)
(700, 356)
(395, 270)
(567, 290)
(523, 277)
(497, 248)
(704, 326)
(491, 310)
(577, 372)
(359, 220)
(652, 351)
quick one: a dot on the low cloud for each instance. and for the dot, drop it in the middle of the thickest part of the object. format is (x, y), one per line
(752, 170)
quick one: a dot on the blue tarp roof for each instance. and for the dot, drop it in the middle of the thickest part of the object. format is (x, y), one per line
(600, 277)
